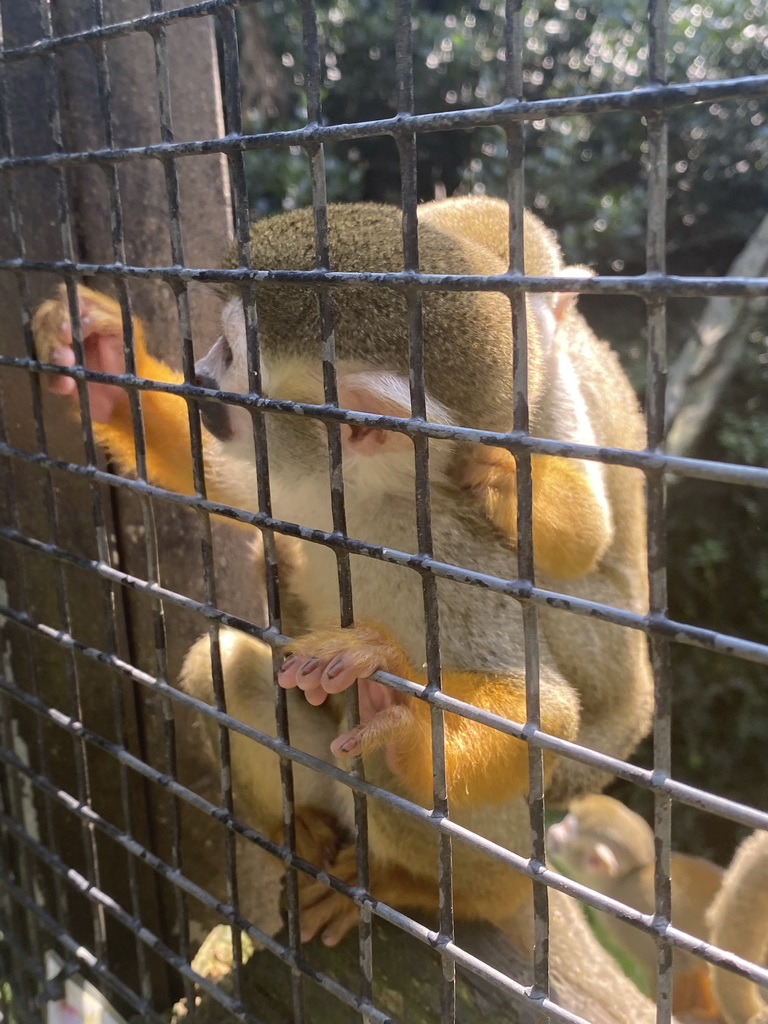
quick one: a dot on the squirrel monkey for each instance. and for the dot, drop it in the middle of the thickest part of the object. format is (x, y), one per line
(588, 530)
(603, 844)
(738, 922)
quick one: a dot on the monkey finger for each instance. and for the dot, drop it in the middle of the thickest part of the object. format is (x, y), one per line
(315, 696)
(61, 385)
(345, 918)
(380, 729)
(291, 672)
(62, 356)
(349, 744)
(343, 671)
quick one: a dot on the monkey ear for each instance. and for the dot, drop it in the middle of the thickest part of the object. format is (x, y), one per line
(563, 302)
(603, 861)
(384, 394)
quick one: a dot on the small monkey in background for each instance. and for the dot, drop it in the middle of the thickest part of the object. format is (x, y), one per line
(588, 531)
(603, 844)
(738, 922)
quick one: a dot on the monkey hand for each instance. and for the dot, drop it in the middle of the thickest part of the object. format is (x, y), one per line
(331, 660)
(101, 325)
(482, 764)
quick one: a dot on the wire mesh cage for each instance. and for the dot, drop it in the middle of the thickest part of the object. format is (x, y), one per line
(142, 876)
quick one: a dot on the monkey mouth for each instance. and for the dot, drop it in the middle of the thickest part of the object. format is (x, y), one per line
(215, 415)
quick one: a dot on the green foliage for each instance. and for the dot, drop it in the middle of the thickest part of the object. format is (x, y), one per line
(584, 175)
(718, 579)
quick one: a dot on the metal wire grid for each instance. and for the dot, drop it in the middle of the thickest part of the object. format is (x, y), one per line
(655, 286)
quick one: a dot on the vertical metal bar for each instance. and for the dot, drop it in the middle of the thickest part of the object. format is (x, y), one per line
(11, 785)
(657, 569)
(233, 115)
(315, 152)
(17, 235)
(67, 241)
(151, 548)
(514, 41)
(407, 147)
(198, 470)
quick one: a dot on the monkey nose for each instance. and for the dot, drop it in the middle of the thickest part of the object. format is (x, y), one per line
(215, 415)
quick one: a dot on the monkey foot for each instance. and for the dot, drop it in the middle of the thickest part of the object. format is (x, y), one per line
(325, 912)
(317, 839)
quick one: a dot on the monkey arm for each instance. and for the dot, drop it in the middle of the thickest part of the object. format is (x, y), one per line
(483, 765)
(166, 427)
(571, 529)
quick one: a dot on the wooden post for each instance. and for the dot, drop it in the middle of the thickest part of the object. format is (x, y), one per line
(56, 507)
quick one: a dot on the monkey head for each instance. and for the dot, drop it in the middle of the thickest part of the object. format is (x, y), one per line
(600, 838)
(467, 345)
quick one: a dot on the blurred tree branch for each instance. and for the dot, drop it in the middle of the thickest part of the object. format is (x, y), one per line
(699, 376)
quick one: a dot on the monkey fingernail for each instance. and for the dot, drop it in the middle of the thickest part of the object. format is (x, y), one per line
(310, 666)
(288, 662)
(346, 746)
(336, 666)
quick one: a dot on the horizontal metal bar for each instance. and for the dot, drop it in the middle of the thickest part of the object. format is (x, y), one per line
(648, 98)
(221, 815)
(87, 888)
(76, 950)
(177, 878)
(514, 441)
(740, 813)
(143, 23)
(522, 590)
(682, 792)
(642, 285)
(153, 591)
(534, 870)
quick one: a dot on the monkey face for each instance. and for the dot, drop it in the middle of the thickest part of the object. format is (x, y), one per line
(224, 368)
(376, 462)
(296, 444)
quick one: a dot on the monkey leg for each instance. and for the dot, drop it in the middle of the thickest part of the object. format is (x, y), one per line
(571, 520)
(323, 806)
(402, 870)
